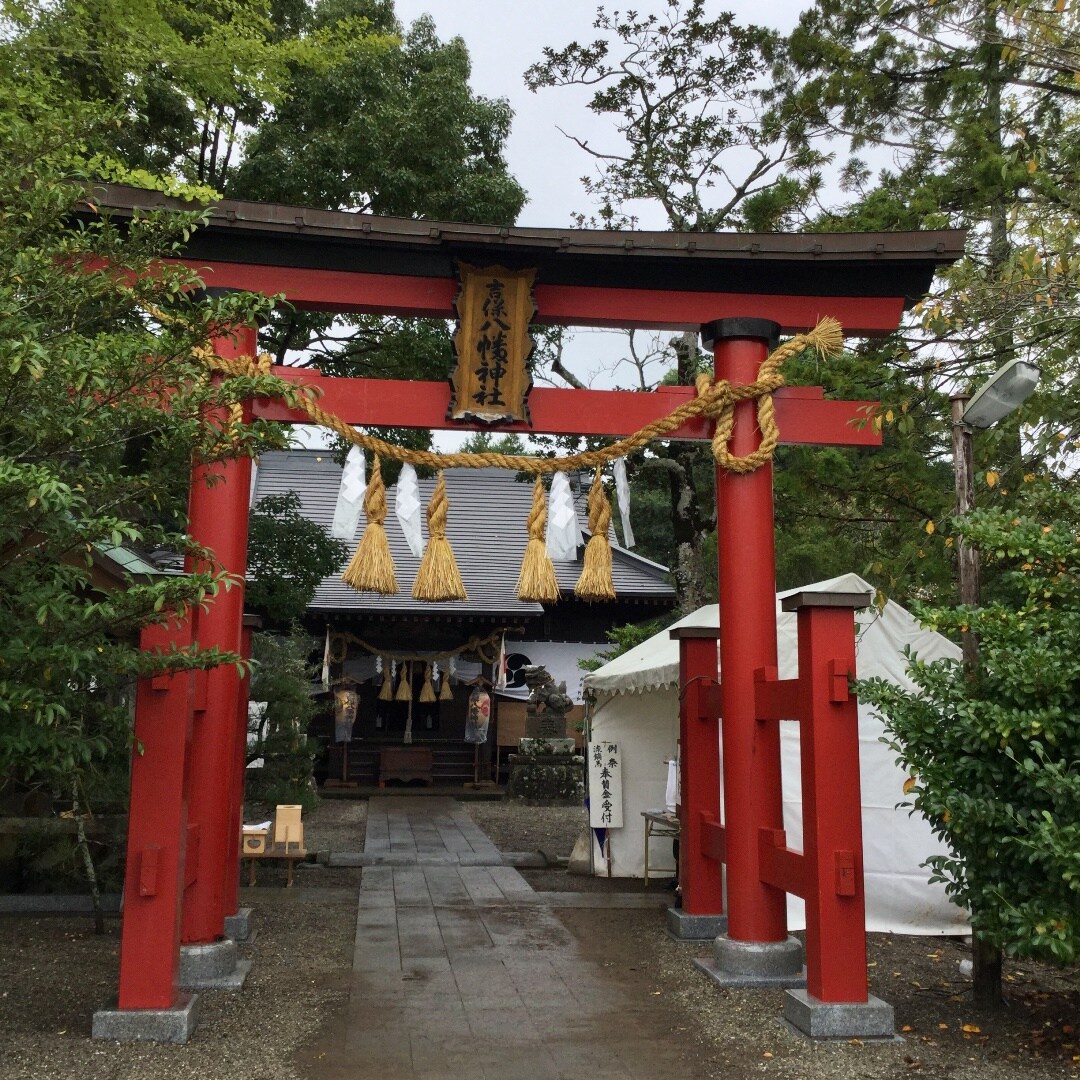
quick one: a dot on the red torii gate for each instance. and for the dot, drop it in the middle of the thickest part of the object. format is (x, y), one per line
(187, 784)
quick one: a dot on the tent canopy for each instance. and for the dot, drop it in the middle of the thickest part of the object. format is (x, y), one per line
(654, 664)
(637, 706)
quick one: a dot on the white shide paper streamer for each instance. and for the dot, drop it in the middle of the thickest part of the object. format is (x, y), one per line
(407, 509)
(563, 533)
(622, 491)
(350, 497)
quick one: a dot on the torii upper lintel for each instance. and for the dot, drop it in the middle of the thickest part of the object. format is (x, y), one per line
(362, 263)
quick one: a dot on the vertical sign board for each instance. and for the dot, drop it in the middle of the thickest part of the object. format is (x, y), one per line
(605, 786)
(491, 379)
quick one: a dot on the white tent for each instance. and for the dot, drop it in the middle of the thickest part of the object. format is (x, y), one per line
(637, 707)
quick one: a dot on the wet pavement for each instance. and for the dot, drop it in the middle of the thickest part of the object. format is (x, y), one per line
(461, 969)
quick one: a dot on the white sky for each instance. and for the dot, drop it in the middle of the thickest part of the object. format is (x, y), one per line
(504, 37)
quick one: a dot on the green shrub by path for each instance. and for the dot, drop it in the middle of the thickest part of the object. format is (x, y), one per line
(993, 753)
(281, 679)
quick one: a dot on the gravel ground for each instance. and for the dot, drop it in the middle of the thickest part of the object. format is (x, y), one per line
(54, 972)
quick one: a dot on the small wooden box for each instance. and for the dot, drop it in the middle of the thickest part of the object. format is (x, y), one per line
(255, 842)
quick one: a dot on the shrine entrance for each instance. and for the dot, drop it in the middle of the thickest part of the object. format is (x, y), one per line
(742, 292)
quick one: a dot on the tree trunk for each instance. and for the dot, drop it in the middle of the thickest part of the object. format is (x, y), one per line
(985, 975)
(688, 531)
(83, 847)
(986, 958)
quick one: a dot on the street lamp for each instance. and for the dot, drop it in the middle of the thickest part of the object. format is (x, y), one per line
(1008, 388)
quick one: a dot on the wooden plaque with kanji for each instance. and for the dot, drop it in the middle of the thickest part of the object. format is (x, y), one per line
(491, 380)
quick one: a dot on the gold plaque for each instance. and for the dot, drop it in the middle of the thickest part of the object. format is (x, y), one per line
(491, 380)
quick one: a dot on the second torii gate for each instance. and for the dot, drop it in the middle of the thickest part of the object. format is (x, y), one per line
(742, 291)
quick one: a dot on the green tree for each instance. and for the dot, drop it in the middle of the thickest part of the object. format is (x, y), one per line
(486, 442)
(327, 104)
(976, 104)
(288, 555)
(102, 393)
(280, 683)
(882, 513)
(187, 80)
(684, 96)
(993, 752)
(399, 132)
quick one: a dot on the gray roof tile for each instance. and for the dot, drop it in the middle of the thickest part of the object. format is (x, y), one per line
(486, 527)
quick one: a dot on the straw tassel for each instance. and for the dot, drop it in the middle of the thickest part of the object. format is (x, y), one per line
(827, 337)
(372, 566)
(438, 577)
(446, 691)
(386, 691)
(537, 581)
(404, 686)
(427, 691)
(595, 582)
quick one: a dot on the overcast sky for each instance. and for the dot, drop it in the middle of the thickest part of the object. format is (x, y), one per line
(504, 37)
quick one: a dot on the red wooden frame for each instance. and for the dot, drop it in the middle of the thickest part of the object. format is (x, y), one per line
(758, 870)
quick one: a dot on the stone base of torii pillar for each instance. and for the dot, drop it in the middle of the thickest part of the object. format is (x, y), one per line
(755, 963)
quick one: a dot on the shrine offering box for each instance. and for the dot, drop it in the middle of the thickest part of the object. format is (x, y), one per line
(255, 840)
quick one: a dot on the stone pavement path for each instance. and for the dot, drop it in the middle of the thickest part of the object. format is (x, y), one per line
(462, 970)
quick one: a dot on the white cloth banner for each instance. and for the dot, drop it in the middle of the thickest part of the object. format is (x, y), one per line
(499, 681)
(622, 491)
(605, 786)
(563, 533)
(350, 498)
(326, 661)
(671, 790)
(407, 509)
(466, 671)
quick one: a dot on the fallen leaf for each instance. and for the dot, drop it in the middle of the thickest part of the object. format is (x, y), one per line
(943, 1027)
(972, 1029)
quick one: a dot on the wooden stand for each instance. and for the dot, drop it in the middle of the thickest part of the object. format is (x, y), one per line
(287, 844)
(477, 783)
(405, 763)
(344, 782)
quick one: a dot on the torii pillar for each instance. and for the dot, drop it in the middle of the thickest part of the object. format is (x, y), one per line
(218, 520)
(755, 948)
(150, 1004)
